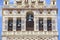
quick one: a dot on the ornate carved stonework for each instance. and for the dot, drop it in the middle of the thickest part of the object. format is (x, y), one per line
(29, 20)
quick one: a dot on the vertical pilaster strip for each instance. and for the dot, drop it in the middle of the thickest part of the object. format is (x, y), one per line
(6, 24)
(36, 24)
(23, 2)
(29, 2)
(45, 23)
(44, 2)
(25, 23)
(36, 3)
(22, 24)
(54, 24)
(3, 24)
(14, 23)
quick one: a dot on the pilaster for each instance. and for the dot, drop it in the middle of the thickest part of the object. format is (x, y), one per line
(23, 2)
(5, 24)
(36, 25)
(45, 23)
(14, 23)
(23, 24)
(54, 24)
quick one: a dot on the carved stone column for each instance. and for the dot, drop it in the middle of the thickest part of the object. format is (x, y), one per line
(45, 23)
(5, 24)
(54, 24)
(14, 23)
(36, 25)
(23, 2)
(29, 2)
(36, 3)
(23, 24)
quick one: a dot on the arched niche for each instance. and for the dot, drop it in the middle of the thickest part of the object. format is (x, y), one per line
(29, 21)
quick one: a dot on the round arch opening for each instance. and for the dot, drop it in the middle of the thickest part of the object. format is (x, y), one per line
(30, 21)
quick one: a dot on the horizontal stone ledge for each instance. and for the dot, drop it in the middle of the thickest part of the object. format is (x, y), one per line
(30, 36)
(29, 33)
(30, 8)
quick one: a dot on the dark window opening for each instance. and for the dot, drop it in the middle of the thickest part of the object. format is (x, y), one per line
(19, 2)
(40, 24)
(33, 2)
(10, 24)
(53, 3)
(18, 24)
(29, 22)
(26, 1)
(40, 12)
(5, 2)
(49, 25)
(29, 17)
(18, 12)
(48, 12)
(10, 11)
(40, 2)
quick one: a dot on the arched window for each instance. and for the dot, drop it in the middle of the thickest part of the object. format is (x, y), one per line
(29, 21)
(10, 24)
(29, 17)
(40, 24)
(49, 24)
(18, 24)
(6, 2)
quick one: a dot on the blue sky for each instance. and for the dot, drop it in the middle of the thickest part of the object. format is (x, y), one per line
(11, 1)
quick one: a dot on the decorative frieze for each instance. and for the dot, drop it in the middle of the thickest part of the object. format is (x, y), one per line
(21, 29)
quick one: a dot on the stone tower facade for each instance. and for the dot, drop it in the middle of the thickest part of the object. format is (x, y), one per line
(29, 20)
